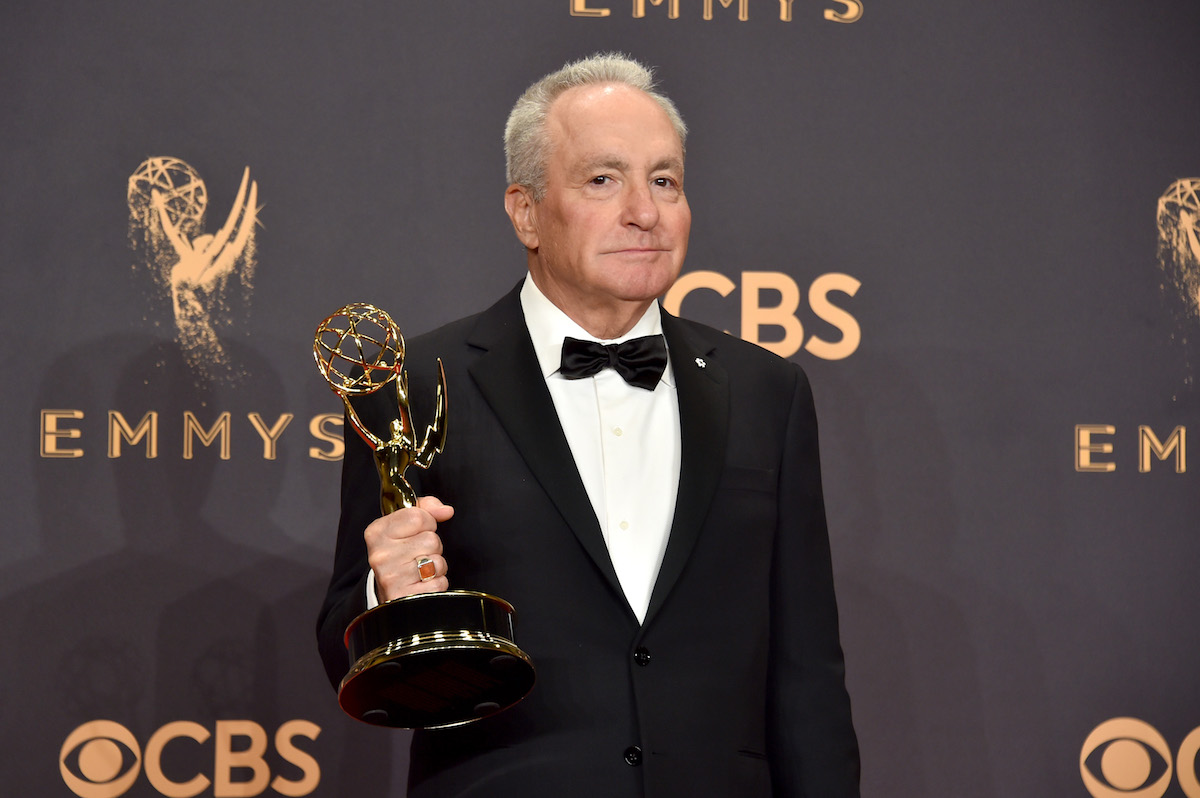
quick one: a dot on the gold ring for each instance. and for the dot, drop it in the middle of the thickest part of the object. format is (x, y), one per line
(426, 569)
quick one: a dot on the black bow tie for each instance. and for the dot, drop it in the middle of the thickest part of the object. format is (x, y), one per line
(639, 361)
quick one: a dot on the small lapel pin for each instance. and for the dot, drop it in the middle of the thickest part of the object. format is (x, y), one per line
(700, 362)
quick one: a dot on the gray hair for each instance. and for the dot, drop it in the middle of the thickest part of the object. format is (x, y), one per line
(526, 145)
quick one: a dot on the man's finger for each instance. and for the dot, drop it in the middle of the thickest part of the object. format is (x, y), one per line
(433, 505)
(403, 523)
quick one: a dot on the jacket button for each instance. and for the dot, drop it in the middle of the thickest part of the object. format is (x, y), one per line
(642, 655)
(633, 755)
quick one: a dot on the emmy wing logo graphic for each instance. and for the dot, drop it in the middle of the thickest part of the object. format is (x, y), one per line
(1179, 249)
(1179, 241)
(208, 277)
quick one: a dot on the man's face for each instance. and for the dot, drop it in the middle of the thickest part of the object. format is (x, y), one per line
(611, 232)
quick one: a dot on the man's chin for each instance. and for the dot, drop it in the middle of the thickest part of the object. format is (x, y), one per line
(643, 275)
(644, 291)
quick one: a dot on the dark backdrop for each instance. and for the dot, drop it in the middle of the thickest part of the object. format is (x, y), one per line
(1003, 334)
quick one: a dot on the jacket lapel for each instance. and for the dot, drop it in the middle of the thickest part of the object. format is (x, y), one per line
(509, 377)
(703, 390)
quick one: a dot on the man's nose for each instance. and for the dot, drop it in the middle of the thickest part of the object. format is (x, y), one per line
(640, 208)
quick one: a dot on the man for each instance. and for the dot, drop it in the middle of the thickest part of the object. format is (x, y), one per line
(664, 542)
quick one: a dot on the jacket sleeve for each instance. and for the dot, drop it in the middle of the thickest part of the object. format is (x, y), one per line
(346, 597)
(812, 745)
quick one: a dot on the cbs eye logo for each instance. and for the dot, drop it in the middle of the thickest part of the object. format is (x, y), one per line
(102, 759)
(1128, 758)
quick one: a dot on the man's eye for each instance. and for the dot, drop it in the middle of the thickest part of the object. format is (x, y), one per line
(664, 182)
(600, 180)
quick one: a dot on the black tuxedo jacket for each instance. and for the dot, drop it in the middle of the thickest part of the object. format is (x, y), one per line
(733, 685)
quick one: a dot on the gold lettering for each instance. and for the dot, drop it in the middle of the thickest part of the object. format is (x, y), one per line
(119, 429)
(191, 426)
(270, 436)
(337, 444)
(579, 8)
(785, 10)
(153, 762)
(310, 769)
(743, 8)
(250, 757)
(853, 12)
(1148, 444)
(714, 281)
(818, 300)
(1084, 448)
(51, 433)
(639, 8)
(783, 315)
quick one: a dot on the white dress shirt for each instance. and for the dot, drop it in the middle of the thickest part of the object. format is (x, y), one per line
(625, 441)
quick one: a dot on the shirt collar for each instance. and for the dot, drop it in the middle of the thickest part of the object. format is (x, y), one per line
(548, 326)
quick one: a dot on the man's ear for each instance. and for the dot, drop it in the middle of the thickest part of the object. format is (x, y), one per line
(518, 201)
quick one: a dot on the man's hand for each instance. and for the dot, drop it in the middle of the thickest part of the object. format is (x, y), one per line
(397, 541)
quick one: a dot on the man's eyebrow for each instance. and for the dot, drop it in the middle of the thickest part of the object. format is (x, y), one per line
(604, 162)
(617, 163)
(668, 164)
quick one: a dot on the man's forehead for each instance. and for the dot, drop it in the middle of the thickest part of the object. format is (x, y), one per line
(602, 119)
(588, 105)
(598, 92)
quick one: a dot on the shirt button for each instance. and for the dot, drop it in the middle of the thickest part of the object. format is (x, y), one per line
(633, 756)
(642, 655)
(618, 431)
(624, 525)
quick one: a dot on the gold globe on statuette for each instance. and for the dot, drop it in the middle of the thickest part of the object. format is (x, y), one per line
(431, 660)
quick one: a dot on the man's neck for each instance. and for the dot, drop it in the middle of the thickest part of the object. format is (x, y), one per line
(607, 319)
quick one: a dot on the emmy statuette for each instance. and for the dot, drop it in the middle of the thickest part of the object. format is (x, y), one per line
(431, 660)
